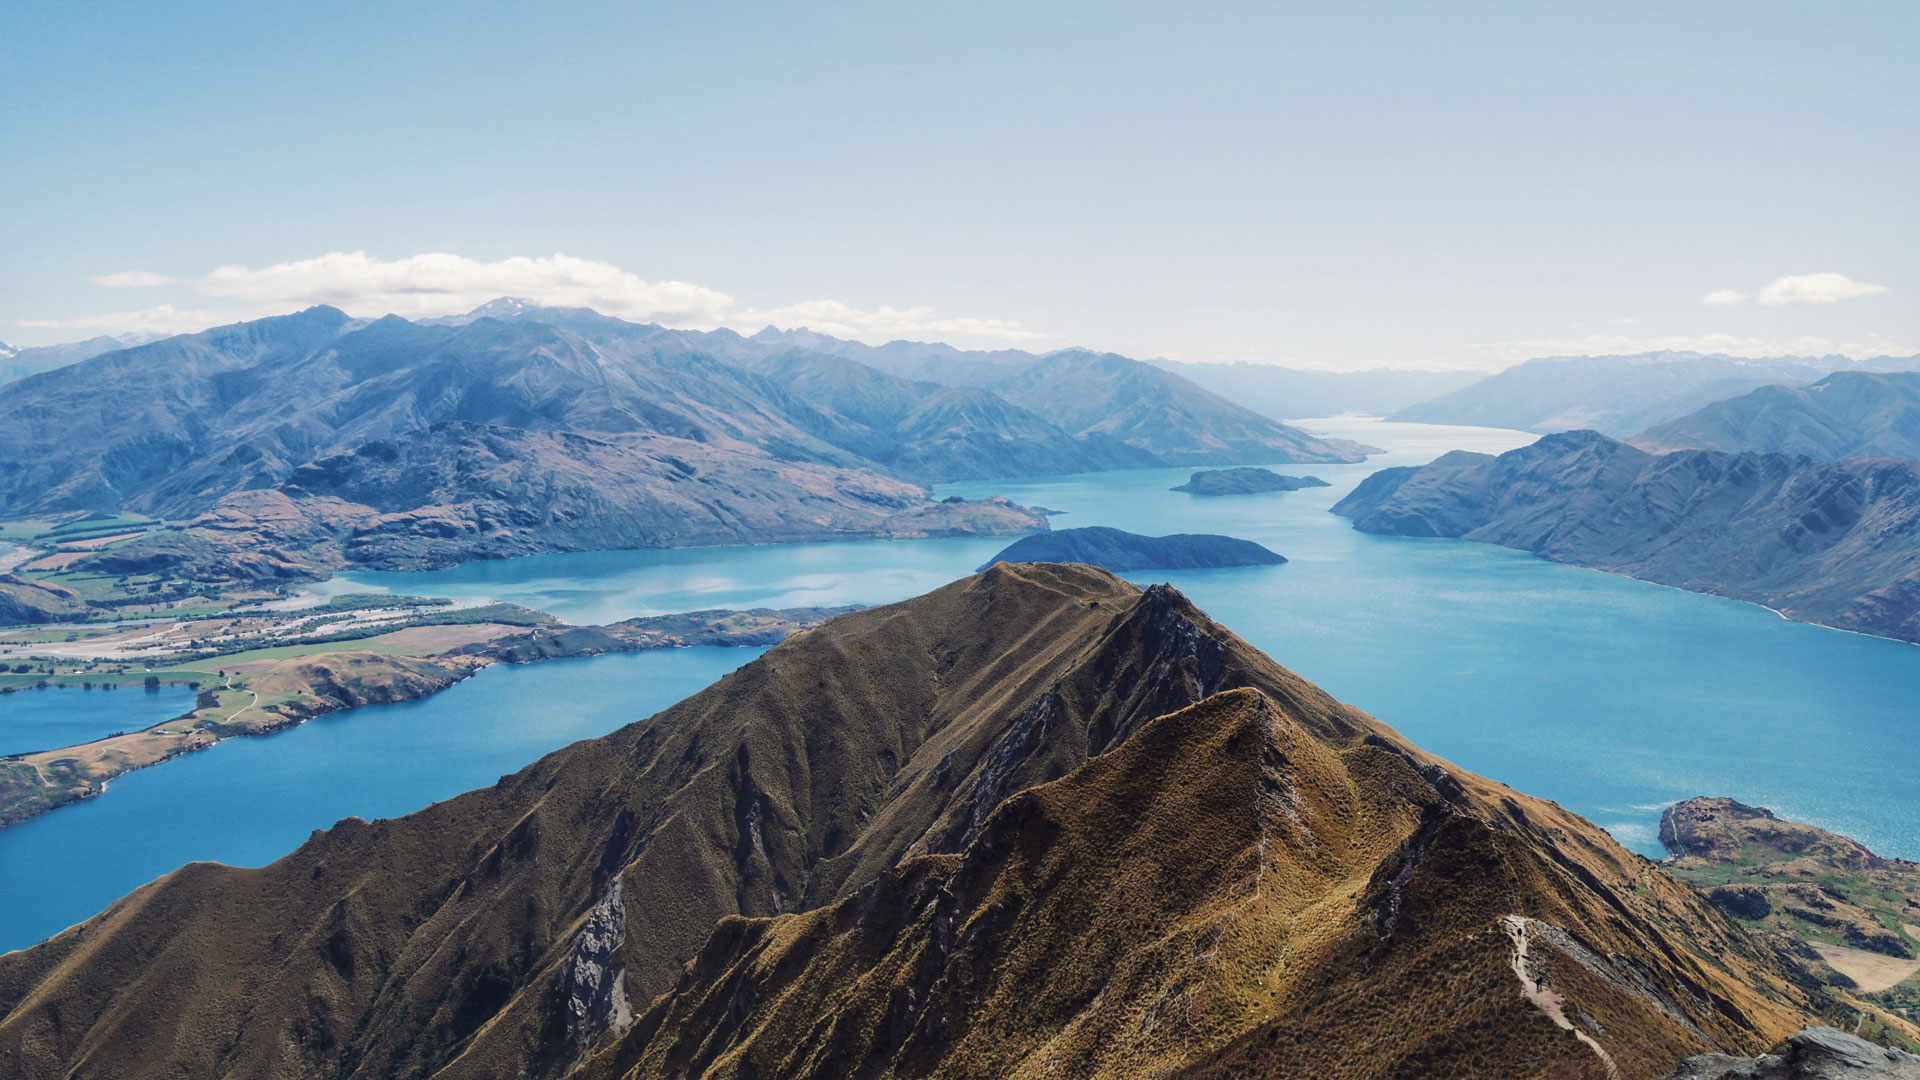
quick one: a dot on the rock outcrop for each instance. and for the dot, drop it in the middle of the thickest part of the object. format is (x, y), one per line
(1817, 1053)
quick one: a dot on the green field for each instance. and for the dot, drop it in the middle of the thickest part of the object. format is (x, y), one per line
(97, 526)
(21, 532)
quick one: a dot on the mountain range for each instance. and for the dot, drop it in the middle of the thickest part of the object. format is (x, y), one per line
(19, 363)
(563, 428)
(1037, 822)
(1826, 542)
(1849, 414)
(1622, 395)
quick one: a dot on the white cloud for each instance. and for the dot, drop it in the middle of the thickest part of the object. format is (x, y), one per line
(162, 319)
(443, 284)
(1724, 296)
(886, 323)
(132, 279)
(422, 286)
(1816, 289)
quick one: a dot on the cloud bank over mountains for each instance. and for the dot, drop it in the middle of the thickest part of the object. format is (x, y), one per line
(423, 286)
(441, 283)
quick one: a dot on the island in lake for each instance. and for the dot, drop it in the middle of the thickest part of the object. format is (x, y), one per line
(1249, 480)
(1118, 550)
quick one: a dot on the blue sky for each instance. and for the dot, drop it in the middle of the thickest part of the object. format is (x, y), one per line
(1333, 185)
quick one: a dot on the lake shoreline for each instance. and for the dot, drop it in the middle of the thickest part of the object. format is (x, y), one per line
(317, 684)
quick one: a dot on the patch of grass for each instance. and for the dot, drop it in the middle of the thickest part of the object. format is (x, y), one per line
(281, 652)
(20, 532)
(100, 525)
(510, 614)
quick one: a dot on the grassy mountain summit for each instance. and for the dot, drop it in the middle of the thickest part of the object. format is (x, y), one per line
(1035, 821)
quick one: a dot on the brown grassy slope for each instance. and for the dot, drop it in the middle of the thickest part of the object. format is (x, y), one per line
(465, 940)
(1223, 895)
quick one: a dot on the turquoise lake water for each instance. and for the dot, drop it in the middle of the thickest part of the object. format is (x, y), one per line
(67, 716)
(249, 801)
(1611, 696)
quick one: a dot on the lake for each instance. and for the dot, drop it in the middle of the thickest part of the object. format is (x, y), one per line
(249, 801)
(1613, 697)
(69, 715)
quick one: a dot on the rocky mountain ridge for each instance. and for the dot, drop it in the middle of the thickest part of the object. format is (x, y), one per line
(1036, 819)
(564, 429)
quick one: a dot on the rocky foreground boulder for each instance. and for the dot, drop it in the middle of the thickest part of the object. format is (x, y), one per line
(1816, 1053)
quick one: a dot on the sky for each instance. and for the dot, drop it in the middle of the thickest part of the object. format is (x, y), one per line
(1322, 185)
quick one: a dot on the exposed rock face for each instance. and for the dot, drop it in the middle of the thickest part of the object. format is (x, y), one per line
(594, 982)
(1851, 414)
(1245, 481)
(1829, 542)
(1114, 549)
(1817, 1053)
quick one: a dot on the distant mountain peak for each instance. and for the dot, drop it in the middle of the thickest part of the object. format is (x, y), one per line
(504, 307)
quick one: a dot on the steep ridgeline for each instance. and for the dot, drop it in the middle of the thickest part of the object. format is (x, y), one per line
(1851, 414)
(173, 426)
(1037, 821)
(456, 492)
(1129, 414)
(1827, 542)
(1620, 395)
